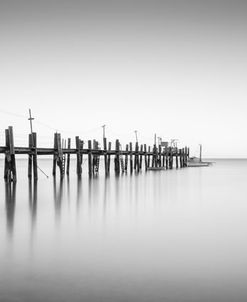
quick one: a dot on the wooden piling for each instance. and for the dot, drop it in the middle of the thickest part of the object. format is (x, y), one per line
(136, 158)
(176, 158)
(145, 157)
(35, 164)
(90, 158)
(141, 153)
(117, 164)
(68, 157)
(105, 155)
(30, 155)
(126, 159)
(109, 159)
(159, 156)
(55, 155)
(78, 156)
(10, 164)
(167, 157)
(149, 151)
(131, 158)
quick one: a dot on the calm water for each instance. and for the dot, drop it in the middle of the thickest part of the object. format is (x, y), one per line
(177, 235)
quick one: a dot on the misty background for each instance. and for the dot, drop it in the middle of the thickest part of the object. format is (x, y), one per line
(175, 68)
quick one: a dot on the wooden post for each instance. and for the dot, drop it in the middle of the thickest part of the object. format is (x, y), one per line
(176, 158)
(109, 159)
(10, 165)
(149, 151)
(68, 157)
(35, 164)
(131, 159)
(12, 153)
(126, 159)
(94, 157)
(60, 155)
(117, 166)
(154, 160)
(145, 157)
(90, 158)
(167, 157)
(55, 155)
(163, 158)
(136, 158)
(185, 157)
(182, 158)
(170, 158)
(30, 156)
(159, 156)
(105, 155)
(141, 153)
(78, 156)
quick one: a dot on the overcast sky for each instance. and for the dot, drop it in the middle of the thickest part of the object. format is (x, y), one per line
(177, 68)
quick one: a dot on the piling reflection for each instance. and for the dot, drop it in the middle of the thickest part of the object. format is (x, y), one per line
(78, 194)
(10, 201)
(58, 197)
(32, 196)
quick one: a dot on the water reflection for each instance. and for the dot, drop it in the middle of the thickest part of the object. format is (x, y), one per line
(10, 200)
(32, 194)
(58, 197)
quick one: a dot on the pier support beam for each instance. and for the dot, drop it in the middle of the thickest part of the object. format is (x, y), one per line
(10, 164)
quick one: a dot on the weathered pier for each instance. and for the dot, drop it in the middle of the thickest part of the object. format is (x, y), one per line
(131, 158)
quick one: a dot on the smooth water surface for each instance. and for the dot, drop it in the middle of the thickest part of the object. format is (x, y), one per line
(177, 235)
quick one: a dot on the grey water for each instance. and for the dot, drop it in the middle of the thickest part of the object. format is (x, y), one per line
(177, 235)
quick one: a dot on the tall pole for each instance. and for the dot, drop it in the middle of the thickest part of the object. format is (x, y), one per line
(31, 119)
(200, 152)
(103, 127)
(136, 136)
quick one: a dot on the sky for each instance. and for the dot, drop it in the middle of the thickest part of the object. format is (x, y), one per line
(175, 68)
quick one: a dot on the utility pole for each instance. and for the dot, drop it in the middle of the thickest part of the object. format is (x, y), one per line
(103, 131)
(136, 136)
(103, 127)
(200, 152)
(31, 119)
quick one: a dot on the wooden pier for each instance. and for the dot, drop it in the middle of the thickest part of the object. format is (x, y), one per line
(141, 157)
